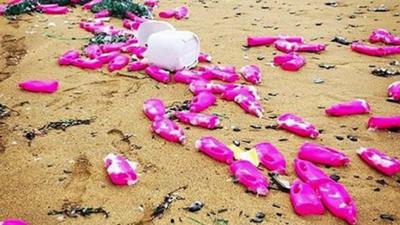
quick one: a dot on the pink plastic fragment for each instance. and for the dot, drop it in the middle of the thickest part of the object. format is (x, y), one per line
(375, 50)
(90, 26)
(89, 5)
(186, 76)
(202, 101)
(201, 85)
(309, 173)
(268, 40)
(40, 6)
(137, 66)
(338, 201)
(249, 104)
(290, 62)
(384, 36)
(353, 107)
(44, 86)
(68, 57)
(251, 73)
(55, 10)
(305, 200)
(383, 122)
(198, 119)
(93, 51)
(394, 90)
(154, 109)
(215, 149)
(112, 47)
(380, 161)
(322, 154)
(107, 57)
(233, 90)
(88, 63)
(286, 46)
(168, 130)
(251, 177)
(134, 49)
(204, 57)
(13, 222)
(2, 9)
(118, 63)
(271, 158)
(297, 125)
(181, 12)
(166, 14)
(102, 13)
(158, 74)
(222, 73)
(120, 170)
(151, 3)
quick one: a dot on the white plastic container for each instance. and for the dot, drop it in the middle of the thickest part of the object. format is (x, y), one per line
(150, 27)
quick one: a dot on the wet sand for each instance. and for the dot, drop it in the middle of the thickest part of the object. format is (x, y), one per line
(66, 167)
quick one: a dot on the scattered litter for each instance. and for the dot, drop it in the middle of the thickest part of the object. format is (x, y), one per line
(172, 196)
(326, 66)
(385, 72)
(279, 183)
(72, 211)
(388, 217)
(341, 40)
(195, 206)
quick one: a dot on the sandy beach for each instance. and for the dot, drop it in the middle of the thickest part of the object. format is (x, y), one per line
(65, 168)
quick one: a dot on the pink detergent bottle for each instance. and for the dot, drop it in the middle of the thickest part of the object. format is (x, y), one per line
(321, 154)
(305, 200)
(158, 74)
(107, 57)
(166, 14)
(120, 170)
(249, 104)
(198, 119)
(215, 149)
(186, 76)
(379, 51)
(251, 73)
(251, 177)
(58, 10)
(384, 36)
(68, 57)
(92, 64)
(202, 101)
(285, 46)
(137, 66)
(268, 40)
(233, 90)
(105, 48)
(353, 107)
(204, 58)
(168, 130)
(89, 5)
(290, 62)
(13, 222)
(118, 63)
(379, 161)
(309, 173)
(271, 158)
(384, 122)
(181, 12)
(394, 90)
(43, 86)
(338, 201)
(219, 74)
(201, 85)
(154, 109)
(93, 51)
(297, 125)
(151, 3)
(102, 14)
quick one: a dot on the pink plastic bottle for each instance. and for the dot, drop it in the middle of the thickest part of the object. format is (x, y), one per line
(134, 49)
(90, 26)
(268, 40)
(88, 63)
(158, 74)
(200, 85)
(309, 173)
(249, 104)
(154, 109)
(251, 73)
(215, 149)
(198, 119)
(204, 57)
(353, 107)
(166, 14)
(102, 13)
(181, 12)
(375, 51)
(202, 101)
(287, 47)
(89, 5)
(2, 9)
(297, 125)
(59, 10)
(233, 90)
(137, 66)
(186, 76)
(93, 51)
(384, 36)
(218, 74)
(224, 68)
(40, 6)
(107, 57)
(13, 222)
(248, 175)
(322, 154)
(338, 201)
(394, 90)
(290, 62)
(118, 63)
(68, 57)
(305, 200)
(271, 158)
(43, 86)
(379, 161)
(168, 130)
(151, 3)
(120, 170)
(112, 47)
(383, 122)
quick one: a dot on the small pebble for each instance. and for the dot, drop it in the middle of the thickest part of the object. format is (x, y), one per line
(340, 138)
(195, 206)
(387, 217)
(352, 138)
(335, 177)
(318, 81)
(382, 182)
(236, 143)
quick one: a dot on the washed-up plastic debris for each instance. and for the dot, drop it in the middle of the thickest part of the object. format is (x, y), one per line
(92, 64)
(202, 101)
(200, 85)
(93, 51)
(268, 40)
(290, 62)
(179, 13)
(250, 155)
(137, 66)
(158, 74)
(118, 63)
(223, 73)
(89, 5)
(251, 177)
(379, 51)
(120, 8)
(43, 86)
(338, 201)
(305, 200)
(384, 36)
(120, 170)
(102, 13)
(13, 222)
(286, 46)
(186, 76)
(309, 173)
(379, 161)
(271, 158)
(232, 90)
(107, 57)
(215, 149)
(394, 90)
(204, 57)
(168, 130)
(353, 107)
(297, 125)
(2, 9)
(322, 154)
(68, 57)
(250, 104)
(198, 119)
(57, 10)
(151, 3)
(154, 109)
(384, 122)
(251, 73)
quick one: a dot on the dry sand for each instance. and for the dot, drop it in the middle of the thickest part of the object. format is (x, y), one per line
(32, 178)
